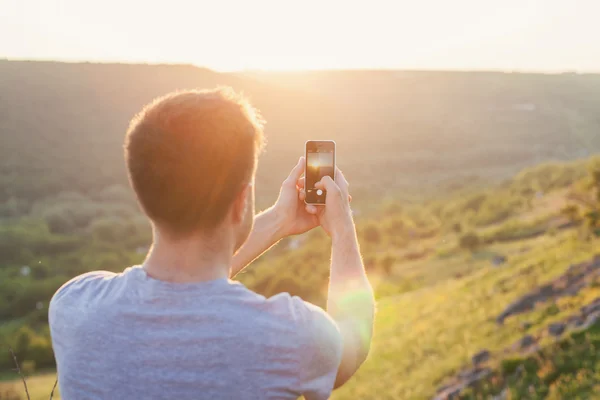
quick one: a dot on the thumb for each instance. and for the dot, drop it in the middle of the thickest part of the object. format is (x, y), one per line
(295, 174)
(328, 184)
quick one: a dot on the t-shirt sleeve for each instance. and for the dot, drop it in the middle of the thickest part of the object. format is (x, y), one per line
(321, 350)
(70, 294)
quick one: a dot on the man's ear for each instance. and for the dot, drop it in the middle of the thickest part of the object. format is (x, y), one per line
(240, 203)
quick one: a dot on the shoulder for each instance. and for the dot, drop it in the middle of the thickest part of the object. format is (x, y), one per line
(79, 287)
(316, 330)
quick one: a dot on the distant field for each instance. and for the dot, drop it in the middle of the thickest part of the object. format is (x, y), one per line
(39, 387)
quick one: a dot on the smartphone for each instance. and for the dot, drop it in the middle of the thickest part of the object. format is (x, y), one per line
(320, 161)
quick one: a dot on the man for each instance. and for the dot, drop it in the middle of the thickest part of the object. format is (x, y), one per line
(176, 327)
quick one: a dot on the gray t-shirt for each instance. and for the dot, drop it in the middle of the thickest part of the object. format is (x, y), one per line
(129, 336)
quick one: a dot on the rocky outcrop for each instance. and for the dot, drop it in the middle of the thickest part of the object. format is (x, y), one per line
(480, 357)
(465, 379)
(498, 260)
(556, 329)
(593, 307)
(569, 284)
(587, 316)
(524, 343)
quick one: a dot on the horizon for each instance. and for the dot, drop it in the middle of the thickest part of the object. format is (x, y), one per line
(267, 35)
(294, 71)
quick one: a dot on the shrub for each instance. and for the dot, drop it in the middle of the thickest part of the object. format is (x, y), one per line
(372, 234)
(40, 352)
(369, 262)
(474, 202)
(571, 212)
(395, 226)
(457, 228)
(469, 241)
(387, 263)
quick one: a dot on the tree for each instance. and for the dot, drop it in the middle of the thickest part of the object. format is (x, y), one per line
(24, 338)
(590, 205)
(59, 222)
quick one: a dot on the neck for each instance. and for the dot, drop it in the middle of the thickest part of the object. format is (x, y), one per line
(196, 258)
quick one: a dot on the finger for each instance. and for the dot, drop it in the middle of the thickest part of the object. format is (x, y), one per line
(302, 195)
(328, 184)
(349, 198)
(301, 182)
(311, 209)
(295, 174)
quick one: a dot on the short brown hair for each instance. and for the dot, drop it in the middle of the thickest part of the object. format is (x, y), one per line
(189, 153)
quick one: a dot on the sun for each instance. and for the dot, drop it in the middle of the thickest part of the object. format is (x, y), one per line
(315, 163)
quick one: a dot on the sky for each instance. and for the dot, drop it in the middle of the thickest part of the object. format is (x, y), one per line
(228, 35)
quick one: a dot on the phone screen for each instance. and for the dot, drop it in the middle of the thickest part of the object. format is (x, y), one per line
(320, 161)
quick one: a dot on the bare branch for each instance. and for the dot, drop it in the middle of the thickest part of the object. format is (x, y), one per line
(53, 387)
(18, 369)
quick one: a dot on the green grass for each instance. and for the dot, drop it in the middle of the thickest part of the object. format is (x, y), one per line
(438, 309)
(423, 337)
(566, 369)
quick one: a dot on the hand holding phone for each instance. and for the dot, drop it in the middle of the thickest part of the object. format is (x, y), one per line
(336, 218)
(320, 162)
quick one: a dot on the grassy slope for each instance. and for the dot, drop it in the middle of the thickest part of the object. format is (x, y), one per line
(425, 335)
(422, 337)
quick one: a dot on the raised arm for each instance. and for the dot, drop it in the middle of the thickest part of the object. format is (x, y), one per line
(286, 217)
(267, 231)
(350, 299)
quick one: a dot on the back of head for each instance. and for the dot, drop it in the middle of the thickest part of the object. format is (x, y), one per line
(189, 154)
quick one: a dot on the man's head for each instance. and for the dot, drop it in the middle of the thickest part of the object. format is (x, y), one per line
(191, 158)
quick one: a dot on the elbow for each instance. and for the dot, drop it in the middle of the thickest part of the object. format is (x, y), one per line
(350, 365)
(344, 374)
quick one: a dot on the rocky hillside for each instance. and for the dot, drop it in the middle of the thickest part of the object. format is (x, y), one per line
(535, 342)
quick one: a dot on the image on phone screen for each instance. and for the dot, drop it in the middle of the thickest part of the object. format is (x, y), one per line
(320, 162)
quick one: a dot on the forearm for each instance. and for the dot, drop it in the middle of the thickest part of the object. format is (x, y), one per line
(350, 301)
(265, 233)
(350, 294)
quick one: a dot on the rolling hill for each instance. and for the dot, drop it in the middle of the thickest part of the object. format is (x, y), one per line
(62, 124)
